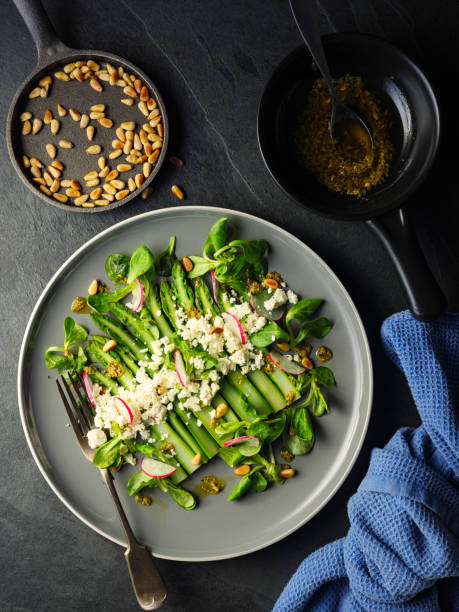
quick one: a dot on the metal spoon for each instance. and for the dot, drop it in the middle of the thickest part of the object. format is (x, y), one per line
(345, 124)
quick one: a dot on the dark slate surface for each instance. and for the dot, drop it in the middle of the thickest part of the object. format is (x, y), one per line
(211, 61)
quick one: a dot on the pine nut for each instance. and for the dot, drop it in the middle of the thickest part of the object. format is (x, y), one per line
(117, 144)
(48, 178)
(307, 363)
(117, 184)
(137, 84)
(137, 143)
(176, 161)
(35, 93)
(73, 193)
(103, 173)
(122, 194)
(271, 283)
(61, 110)
(65, 144)
(242, 470)
(60, 197)
(55, 186)
(36, 162)
(111, 175)
(51, 150)
(177, 192)
(127, 147)
(101, 162)
(26, 161)
(90, 132)
(39, 181)
(128, 125)
(113, 78)
(143, 137)
(114, 154)
(143, 108)
(45, 81)
(75, 184)
(25, 116)
(283, 346)
(106, 122)
(132, 185)
(101, 202)
(146, 169)
(68, 68)
(92, 182)
(94, 150)
(144, 95)
(154, 156)
(76, 116)
(66, 183)
(90, 175)
(62, 76)
(95, 193)
(56, 173)
(159, 128)
(130, 92)
(84, 121)
(34, 171)
(93, 65)
(96, 85)
(87, 205)
(98, 108)
(120, 134)
(197, 459)
(36, 125)
(97, 115)
(124, 167)
(78, 202)
(108, 196)
(48, 116)
(108, 346)
(109, 188)
(287, 473)
(138, 180)
(45, 190)
(127, 101)
(146, 193)
(221, 410)
(58, 165)
(55, 126)
(157, 145)
(129, 135)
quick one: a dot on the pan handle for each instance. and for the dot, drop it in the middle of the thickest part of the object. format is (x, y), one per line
(425, 298)
(41, 29)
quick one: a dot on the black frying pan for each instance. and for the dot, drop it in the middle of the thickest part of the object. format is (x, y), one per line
(407, 94)
(52, 56)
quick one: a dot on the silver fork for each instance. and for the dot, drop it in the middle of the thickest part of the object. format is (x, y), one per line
(148, 585)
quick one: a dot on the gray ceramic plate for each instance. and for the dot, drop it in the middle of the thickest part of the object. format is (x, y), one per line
(217, 529)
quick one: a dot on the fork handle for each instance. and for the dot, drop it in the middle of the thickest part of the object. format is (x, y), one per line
(148, 585)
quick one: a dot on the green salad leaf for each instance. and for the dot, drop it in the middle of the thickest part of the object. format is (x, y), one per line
(117, 267)
(141, 262)
(166, 259)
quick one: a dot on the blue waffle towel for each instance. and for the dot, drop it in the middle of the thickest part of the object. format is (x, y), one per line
(402, 549)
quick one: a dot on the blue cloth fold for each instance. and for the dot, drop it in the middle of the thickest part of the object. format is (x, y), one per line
(402, 549)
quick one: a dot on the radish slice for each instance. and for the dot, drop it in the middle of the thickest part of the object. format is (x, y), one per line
(180, 369)
(257, 302)
(123, 409)
(214, 286)
(137, 294)
(156, 469)
(285, 364)
(235, 326)
(88, 388)
(251, 440)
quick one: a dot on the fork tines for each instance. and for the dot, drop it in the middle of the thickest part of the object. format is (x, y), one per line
(78, 411)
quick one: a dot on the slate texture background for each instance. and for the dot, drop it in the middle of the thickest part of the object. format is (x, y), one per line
(211, 60)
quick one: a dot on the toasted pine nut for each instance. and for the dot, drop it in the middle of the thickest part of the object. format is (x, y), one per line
(148, 149)
(242, 470)
(176, 161)
(114, 154)
(144, 95)
(76, 116)
(108, 346)
(128, 125)
(127, 147)
(66, 183)
(95, 193)
(197, 459)
(106, 122)
(45, 190)
(51, 150)
(62, 76)
(120, 134)
(96, 85)
(101, 162)
(101, 202)
(54, 172)
(111, 175)
(110, 68)
(103, 173)
(283, 346)
(75, 184)
(55, 185)
(73, 193)
(39, 181)
(98, 108)
(25, 116)
(87, 205)
(221, 410)
(124, 167)
(90, 175)
(143, 108)
(80, 200)
(117, 184)
(26, 161)
(146, 169)
(48, 178)
(137, 142)
(108, 196)
(132, 186)
(271, 283)
(94, 150)
(130, 92)
(36, 162)
(138, 180)
(127, 101)
(146, 193)
(93, 65)
(55, 126)
(90, 132)
(307, 363)
(129, 135)
(117, 144)
(60, 197)
(84, 121)
(48, 116)
(96, 115)
(65, 144)
(177, 192)
(58, 165)
(36, 125)
(159, 128)
(45, 81)
(92, 182)
(137, 84)
(93, 287)
(61, 110)
(122, 194)
(68, 68)
(216, 330)
(287, 473)
(35, 93)
(36, 172)
(109, 188)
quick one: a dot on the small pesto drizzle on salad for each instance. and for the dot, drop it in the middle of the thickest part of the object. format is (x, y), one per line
(194, 358)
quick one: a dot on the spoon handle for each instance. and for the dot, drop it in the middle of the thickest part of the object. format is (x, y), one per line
(306, 20)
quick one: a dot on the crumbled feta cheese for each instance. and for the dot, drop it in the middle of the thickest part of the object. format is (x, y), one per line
(292, 297)
(96, 437)
(278, 299)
